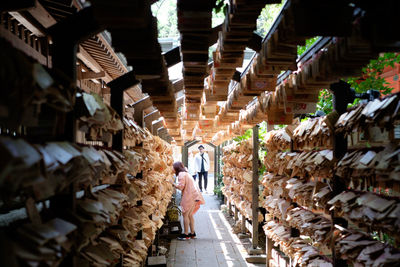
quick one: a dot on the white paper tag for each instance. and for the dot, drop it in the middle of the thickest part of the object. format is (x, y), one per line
(396, 131)
(368, 157)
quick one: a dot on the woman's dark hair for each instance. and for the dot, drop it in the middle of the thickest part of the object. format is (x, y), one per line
(179, 167)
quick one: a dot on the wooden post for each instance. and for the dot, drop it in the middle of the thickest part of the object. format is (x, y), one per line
(268, 250)
(64, 60)
(236, 214)
(185, 155)
(215, 165)
(230, 207)
(243, 226)
(341, 98)
(64, 53)
(116, 101)
(255, 188)
(218, 160)
(118, 86)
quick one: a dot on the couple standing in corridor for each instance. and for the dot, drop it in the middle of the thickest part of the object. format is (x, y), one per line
(198, 167)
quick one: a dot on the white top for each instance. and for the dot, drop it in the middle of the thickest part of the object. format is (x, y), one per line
(198, 159)
(191, 167)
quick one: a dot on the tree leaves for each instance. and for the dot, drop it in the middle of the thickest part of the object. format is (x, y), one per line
(325, 101)
(247, 135)
(219, 6)
(370, 80)
(309, 43)
(371, 75)
(267, 18)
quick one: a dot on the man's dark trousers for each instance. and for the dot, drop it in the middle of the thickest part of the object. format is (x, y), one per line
(201, 174)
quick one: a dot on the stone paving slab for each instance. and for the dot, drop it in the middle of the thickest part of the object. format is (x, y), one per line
(216, 245)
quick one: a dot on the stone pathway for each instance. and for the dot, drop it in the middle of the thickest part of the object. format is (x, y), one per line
(215, 245)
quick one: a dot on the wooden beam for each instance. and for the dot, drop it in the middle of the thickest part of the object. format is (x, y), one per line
(135, 93)
(143, 103)
(255, 42)
(156, 125)
(149, 118)
(41, 15)
(26, 20)
(77, 27)
(162, 130)
(21, 45)
(172, 57)
(139, 106)
(108, 47)
(163, 133)
(124, 82)
(147, 69)
(178, 85)
(89, 75)
(91, 63)
(13, 5)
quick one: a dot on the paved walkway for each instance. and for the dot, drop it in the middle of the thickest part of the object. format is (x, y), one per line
(215, 245)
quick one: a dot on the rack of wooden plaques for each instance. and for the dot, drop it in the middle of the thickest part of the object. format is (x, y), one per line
(241, 185)
(309, 220)
(70, 193)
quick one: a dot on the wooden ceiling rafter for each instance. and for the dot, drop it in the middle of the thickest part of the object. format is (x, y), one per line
(103, 62)
(98, 54)
(232, 37)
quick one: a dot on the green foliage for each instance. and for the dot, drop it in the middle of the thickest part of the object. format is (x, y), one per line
(262, 131)
(371, 75)
(267, 18)
(220, 6)
(325, 101)
(261, 170)
(309, 43)
(165, 12)
(279, 126)
(217, 190)
(262, 153)
(383, 237)
(370, 80)
(218, 13)
(219, 185)
(247, 135)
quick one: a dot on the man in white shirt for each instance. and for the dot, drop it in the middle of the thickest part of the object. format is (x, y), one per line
(202, 165)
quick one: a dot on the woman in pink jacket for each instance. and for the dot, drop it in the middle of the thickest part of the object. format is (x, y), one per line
(191, 199)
